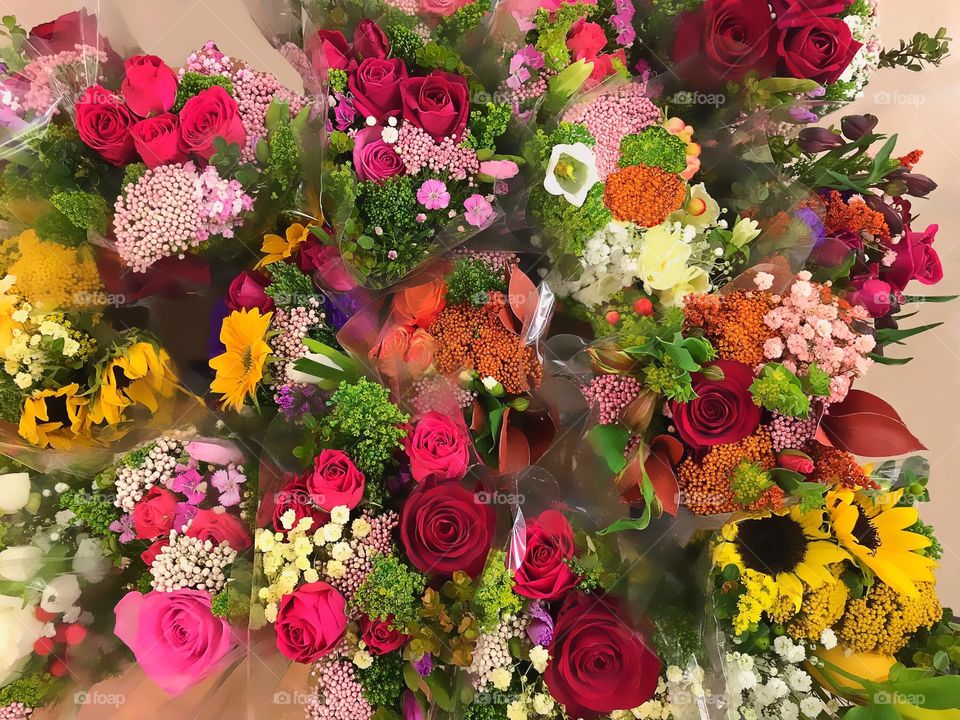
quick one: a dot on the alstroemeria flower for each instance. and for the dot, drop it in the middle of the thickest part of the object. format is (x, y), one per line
(571, 172)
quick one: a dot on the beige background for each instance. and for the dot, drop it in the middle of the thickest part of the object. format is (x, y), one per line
(922, 108)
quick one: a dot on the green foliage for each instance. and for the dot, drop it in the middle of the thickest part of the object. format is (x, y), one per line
(472, 280)
(568, 225)
(778, 389)
(132, 174)
(678, 637)
(338, 80)
(231, 603)
(488, 123)
(495, 596)
(11, 53)
(566, 133)
(934, 549)
(553, 28)
(284, 159)
(87, 211)
(136, 458)
(404, 42)
(57, 227)
(435, 55)
(485, 711)
(289, 286)
(91, 508)
(11, 399)
(465, 19)
(31, 690)
(390, 206)
(654, 147)
(193, 83)
(363, 419)
(382, 682)
(390, 588)
(340, 143)
(920, 50)
(748, 482)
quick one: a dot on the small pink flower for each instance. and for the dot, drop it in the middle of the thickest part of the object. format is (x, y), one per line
(499, 169)
(421, 218)
(433, 195)
(479, 212)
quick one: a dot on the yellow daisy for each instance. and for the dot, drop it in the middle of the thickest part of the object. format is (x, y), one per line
(277, 248)
(874, 531)
(790, 546)
(240, 368)
(55, 418)
(140, 374)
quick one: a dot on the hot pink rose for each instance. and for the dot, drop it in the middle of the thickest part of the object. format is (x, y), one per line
(438, 448)
(376, 87)
(329, 50)
(335, 481)
(916, 260)
(153, 515)
(311, 621)
(103, 123)
(246, 291)
(586, 39)
(874, 294)
(325, 264)
(438, 103)
(369, 41)
(544, 573)
(210, 114)
(441, 7)
(603, 65)
(374, 159)
(157, 140)
(149, 85)
(175, 637)
(380, 636)
(218, 527)
(214, 451)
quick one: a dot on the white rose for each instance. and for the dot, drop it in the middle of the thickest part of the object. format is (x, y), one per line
(60, 594)
(20, 563)
(19, 630)
(14, 492)
(90, 561)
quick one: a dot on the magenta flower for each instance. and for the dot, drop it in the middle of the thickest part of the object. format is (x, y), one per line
(190, 483)
(124, 526)
(479, 212)
(433, 195)
(228, 482)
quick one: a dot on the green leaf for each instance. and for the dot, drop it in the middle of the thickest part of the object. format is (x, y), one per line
(609, 441)
(907, 299)
(625, 524)
(411, 677)
(884, 360)
(885, 336)
(440, 691)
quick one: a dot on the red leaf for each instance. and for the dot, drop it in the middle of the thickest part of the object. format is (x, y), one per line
(865, 425)
(523, 296)
(514, 447)
(664, 454)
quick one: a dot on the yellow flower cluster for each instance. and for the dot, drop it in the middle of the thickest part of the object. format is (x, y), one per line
(883, 620)
(820, 609)
(50, 275)
(760, 594)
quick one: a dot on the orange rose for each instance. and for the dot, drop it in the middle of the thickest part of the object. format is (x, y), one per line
(419, 355)
(389, 352)
(419, 305)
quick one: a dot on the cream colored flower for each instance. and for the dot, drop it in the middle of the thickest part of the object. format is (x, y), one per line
(571, 172)
(539, 658)
(701, 210)
(744, 231)
(663, 258)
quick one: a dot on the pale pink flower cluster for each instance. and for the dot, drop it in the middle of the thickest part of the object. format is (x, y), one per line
(339, 694)
(418, 151)
(51, 77)
(172, 209)
(812, 331)
(292, 327)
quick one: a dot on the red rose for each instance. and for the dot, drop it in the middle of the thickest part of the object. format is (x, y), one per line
(723, 411)
(438, 448)
(815, 47)
(380, 636)
(374, 159)
(310, 622)
(325, 264)
(64, 34)
(438, 103)
(150, 554)
(786, 8)
(103, 123)
(218, 527)
(157, 140)
(335, 481)
(149, 86)
(443, 528)
(329, 50)
(585, 40)
(246, 292)
(724, 40)
(294, 496)
(598, 662)
(603, 64)
(376, 87)
(369, 41)
(795, 461)
(916, 260)
(153, 515)
(209, 114)
(544, 573)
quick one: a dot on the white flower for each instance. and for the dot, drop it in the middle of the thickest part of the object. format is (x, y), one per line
(19, 630)
(14, 492)
(20, 563)
(501, 678)
(811, 706)
(341, 551)
(828, 638)
(788, 710)
(539, 657)
(663, 259)
(674, 674)
(571, 172)
(490, 382)
(306, 378)
(60, 594)
(360, 527)
(516, 710)
(362, 659)
(332, 532)
(744, 231)
(701, 210)
(543, 704)
(90, 561)
(763, 281)
(390, 135)
(340, 514)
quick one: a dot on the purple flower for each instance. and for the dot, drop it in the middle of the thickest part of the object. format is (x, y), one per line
(479, 212)
(190, 483)
(228, 482)
(124, 526)
(183, 514)
(424, 666)
(433, 195)
(344, 112)
(540, 630)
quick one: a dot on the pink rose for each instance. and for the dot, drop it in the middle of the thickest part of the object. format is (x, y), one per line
(103, 123)
(438, 103)
(374, 159)
(916, 260)
(246, 291)
(369, 41)
(795, 461)
(335, 481)
(380, 636)
(499, 169)
(603, 64)
(586, 39)
(210, 114)
(153, 515)
(214, 452)
(311, 621)
(218, 527)
(325, 264)
(873, 294)
(175, 637)
(329, 50)
(438, 448)
(441, 7)
(376, 87)
(157, 140)
(149, 86)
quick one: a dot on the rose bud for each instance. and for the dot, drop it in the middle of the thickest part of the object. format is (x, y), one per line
(818, 140)
(795, 461)
(855, 127)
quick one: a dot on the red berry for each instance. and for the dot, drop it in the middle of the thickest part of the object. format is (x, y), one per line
(58, 668)
(75, 634)
(43, 646)
(613, 317)
(60, 635)
(643, 306)
(42, 615)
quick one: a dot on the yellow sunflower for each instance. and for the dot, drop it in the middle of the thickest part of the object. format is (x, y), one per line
(140, 374)
(874, 530)
(790, 546)
(55, 418)
(240, 368)
(277, 248)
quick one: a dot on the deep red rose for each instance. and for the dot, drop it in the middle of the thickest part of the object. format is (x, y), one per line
(444, 528)
(438, 103)
(585, 40)
(103, 123)
(325, 264)
(150, 554)
(65, 33)
(369, 41)
(603, 64)
(153, 515)
(814, 47)
(157, 140)
(294, 496)
(438, 448)
(218, 527)
(149, 86)
(329, 50)
(335, 481)
(544, 573)
(724, 40)
(376, 87)
(246, 292)
(380, 636)
(373, 159)
(598, 662)
(916, 260)
(787, 8)
(723, 411)
(311, 621)
(210, 114)
(874, 294)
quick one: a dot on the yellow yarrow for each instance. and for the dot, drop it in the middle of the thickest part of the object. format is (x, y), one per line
(52, 276)
(884, 620)
(760, 593)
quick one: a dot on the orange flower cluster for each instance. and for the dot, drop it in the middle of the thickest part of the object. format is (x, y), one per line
(644, 195)
(705, 483)
(909, 160)
(475, 338)
(855, 216)
(732, 322)
(838, 467)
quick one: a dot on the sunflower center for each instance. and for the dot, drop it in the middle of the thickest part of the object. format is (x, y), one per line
(771, 545)
(57, 410)
(247, 359)
(865, 531)
(120, 378)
